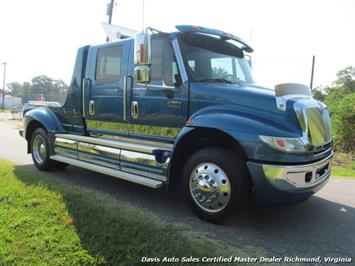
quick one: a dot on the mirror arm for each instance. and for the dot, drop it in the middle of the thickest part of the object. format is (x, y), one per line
(163, 86)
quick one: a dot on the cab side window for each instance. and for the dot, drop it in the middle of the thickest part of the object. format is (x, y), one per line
(221, 67)
(164, 67)
(108, 64)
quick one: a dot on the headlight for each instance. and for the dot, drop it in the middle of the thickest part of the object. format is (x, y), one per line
(284, 144)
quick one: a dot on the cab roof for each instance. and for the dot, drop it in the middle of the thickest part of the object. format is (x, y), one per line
(223, 35)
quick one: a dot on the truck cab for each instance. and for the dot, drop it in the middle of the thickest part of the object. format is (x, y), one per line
(182, 109)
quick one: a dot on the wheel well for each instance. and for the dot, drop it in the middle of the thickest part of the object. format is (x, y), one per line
(31, 127)
(198, 139)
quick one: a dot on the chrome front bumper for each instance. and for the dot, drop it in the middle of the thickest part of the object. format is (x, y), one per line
(298, 177)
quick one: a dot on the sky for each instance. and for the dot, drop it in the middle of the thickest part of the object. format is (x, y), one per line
(41, 37)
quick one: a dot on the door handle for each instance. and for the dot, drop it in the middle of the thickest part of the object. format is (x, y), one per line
(91, 107)
(134, 109)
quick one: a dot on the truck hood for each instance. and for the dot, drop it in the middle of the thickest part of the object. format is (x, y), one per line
(246, 98)
(261, 104)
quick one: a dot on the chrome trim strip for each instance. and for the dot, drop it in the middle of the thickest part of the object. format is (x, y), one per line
(145, 173)
(65, 143)
(144, 148)
(293, 177)
(322, 152)
(124, 98)
(106, 125)
(163, 86)
(139, 158)
(66, 152)
(99, 150)
(133, 139)
(99, 154)
(179, 60)
(122, 128)
(108, 171)
(83, 97)
(99, 160)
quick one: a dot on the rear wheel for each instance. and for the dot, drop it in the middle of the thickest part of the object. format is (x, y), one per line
(40, 150)
(216, 183)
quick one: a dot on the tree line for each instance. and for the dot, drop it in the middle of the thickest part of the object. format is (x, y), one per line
(340, 99)
(39, 88)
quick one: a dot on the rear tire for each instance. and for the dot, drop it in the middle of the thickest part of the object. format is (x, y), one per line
(216, 183)
(40, 150)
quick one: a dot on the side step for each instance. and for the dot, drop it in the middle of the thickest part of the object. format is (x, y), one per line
(123, 145)
(109, 171)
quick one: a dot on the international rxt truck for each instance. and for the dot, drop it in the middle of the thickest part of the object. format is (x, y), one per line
(182, 109)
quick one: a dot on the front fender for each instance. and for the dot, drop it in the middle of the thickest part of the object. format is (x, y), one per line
(227, 119)
(44, 116)
(246, 128)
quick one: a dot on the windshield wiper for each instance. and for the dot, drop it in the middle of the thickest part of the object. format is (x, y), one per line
(219, 80)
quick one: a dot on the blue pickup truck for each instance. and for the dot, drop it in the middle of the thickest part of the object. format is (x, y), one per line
(181, 109)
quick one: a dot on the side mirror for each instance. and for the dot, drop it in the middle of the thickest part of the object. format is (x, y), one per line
(142, 74)
(142, 57)
(248, 58)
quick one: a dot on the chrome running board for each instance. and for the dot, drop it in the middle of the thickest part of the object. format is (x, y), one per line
(109, 171)
(130, 146)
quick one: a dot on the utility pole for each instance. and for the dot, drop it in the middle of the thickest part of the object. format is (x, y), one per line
(3, 88)
(109, 14)
(312, 73)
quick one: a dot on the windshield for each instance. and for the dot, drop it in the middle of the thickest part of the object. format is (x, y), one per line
(209, 59)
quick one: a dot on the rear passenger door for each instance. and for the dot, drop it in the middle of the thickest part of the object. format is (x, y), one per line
(106, 70)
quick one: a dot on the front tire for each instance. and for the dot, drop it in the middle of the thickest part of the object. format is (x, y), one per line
(40, 150)
(216, 183)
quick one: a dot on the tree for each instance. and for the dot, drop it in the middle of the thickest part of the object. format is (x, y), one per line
(15, 89)
(50, 89)
(341, 104)
(319, 93)
(219, 72)
(346, 78)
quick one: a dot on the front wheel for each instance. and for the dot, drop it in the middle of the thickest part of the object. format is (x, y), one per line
(216, 183)
(40, 150)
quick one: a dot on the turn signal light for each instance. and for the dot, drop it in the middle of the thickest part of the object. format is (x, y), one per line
(284, 144)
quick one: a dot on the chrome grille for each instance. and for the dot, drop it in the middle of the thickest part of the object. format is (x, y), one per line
(314, 120)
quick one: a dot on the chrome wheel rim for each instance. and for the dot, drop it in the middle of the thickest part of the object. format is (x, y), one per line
(39, 149)
(210, 187)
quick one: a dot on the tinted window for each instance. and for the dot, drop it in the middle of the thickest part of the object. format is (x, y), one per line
(108, 66)
(221, 67)
(214, 60)
(164, 66)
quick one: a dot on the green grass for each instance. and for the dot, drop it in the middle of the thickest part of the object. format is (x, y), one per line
(347, 171)
(343, 165)
(46, 221)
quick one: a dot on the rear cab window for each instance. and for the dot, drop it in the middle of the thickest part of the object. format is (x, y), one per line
(108, 64)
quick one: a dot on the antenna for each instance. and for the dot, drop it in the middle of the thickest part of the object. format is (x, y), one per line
(312, 71)
(109, 14)
(143, 16)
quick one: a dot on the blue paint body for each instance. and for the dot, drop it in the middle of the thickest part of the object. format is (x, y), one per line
(243, 112)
